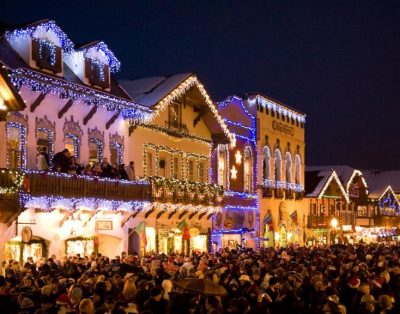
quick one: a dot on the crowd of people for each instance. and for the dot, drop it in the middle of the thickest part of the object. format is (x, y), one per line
(332, 279)
(66, 163)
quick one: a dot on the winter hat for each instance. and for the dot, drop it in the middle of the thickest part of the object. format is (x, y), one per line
(354, 282)
(244, 278)
(378, 281)
(367, 298)
(27, 303)
(63, 299)
(368, 257)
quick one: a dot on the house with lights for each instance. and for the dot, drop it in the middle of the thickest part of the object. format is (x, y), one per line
(172, 150)
(280, 176)
(234, 167)
(328, 206)
(67, 99)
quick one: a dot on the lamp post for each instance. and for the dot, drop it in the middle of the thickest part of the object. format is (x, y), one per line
(334, 225)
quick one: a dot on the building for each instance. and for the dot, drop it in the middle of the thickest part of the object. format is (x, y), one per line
(67, 98)
(234, 167)
(280, 176)
(172, 150)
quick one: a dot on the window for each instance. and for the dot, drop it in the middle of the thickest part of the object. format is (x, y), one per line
(72, 143)
(175, 167)
(278, 165)
(116, 153)
(297, 169)
(321, 209)
(174, 115)
(247, 170)
(261, 108)
(45, 144)
(313, 209)
(266, 110)
(95, 151)
(162, 166)
(362, 211)
(149, 164)
(47, 55)
(288, 167)
(97, 73)
(191, 165)
(202, 172)
(14, 147)
(222, 166)
(272, 113)
(266, 163)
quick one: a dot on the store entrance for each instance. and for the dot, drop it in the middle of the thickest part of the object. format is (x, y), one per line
(19, 251)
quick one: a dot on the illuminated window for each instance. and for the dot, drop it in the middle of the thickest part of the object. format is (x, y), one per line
(202, 172)
(247, 170)
(116, 153)
(95, 151)
(162, 166)
(266, 163)
(175, 167)
(149, 164)
(288, 167)
(191, 174)
(222, 166)
(72, 143)
(278, 165)
(14, 147)
(297, 169)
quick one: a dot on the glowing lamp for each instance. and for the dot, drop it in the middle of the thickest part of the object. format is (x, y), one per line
(334, 223)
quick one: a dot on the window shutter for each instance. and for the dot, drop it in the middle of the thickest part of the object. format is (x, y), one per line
(35, 49)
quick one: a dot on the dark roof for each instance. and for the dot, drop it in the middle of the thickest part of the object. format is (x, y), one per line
(276, 101)
(311, 180)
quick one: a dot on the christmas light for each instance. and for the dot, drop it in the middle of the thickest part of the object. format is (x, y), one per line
(76, 142)
(91, 51)
(50, 134)
(51, 85)
(99, 148)
(238, 157)
(334, 176)
(353, 175)
(39, 31)
(17, 183)
(233, 172)
(45, 47)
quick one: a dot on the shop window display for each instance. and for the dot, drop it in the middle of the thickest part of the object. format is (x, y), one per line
(20, 251)
(81, 245)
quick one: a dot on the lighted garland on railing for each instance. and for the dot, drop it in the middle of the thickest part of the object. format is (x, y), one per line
(16, 184)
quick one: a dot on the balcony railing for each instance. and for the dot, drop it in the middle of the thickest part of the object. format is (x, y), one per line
(180, 191)
(316, 221)
(39, 183)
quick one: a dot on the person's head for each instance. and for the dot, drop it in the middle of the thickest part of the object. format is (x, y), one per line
(155, 293)
(385, 302)
(368, 302)
(86, 306)
(212, 303)
(131, 164)
(364, 288)
(75, 294)
(167, 285)
(129, 289)
(66, 152)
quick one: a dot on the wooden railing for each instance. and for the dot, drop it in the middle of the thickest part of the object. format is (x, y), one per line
(57, 184)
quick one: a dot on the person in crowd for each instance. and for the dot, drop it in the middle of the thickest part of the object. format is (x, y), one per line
(106, 169)
(122, 172)
(43, 162)
(61, 161)
(130, 170)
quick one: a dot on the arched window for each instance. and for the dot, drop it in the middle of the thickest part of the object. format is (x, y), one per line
(247, 170)
(297, 169)
(223, 166)
(278, 165)
(288, 167)
(266, 163)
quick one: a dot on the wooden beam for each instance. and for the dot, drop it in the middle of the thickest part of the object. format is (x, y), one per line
(112, 120)
(192, 215)
(135, 214)
(197, 119)
(183, 214)
(149, 213)
(92, 214)
(202, 215)
(171, 214)
(160, 214)
(66, 216)
(38, 101)
(89, 115)
(64, 109)
(125, 218)
(209, 216)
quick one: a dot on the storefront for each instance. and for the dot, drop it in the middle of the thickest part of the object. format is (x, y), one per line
(17, 250)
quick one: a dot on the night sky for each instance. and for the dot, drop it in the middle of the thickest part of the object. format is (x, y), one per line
(337, 61)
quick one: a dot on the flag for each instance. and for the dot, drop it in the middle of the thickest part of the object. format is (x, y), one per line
(293, 216)
(182, 226)
(268, 222)
(141, 230)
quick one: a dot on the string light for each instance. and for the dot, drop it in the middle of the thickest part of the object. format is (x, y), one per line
(51, 85)
(233, 172)
(334, 176)
(37, 31)
(50, 134)
(238, 157)
(16, 184)
(76, 142)
(47, 46)
(99, 148)
(100, 47)
(353, 175)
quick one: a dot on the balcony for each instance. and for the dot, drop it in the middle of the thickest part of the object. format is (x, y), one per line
(317, 221)
(167, 190)
(39, 183)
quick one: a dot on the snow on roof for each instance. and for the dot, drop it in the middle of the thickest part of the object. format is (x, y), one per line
(344, 172)
(149, 91)
(379, 180)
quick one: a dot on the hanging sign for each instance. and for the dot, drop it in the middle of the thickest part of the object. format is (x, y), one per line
(26, 234)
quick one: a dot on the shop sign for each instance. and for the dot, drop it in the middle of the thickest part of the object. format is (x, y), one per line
(26, 234)
(280, 127)
(104, 225)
